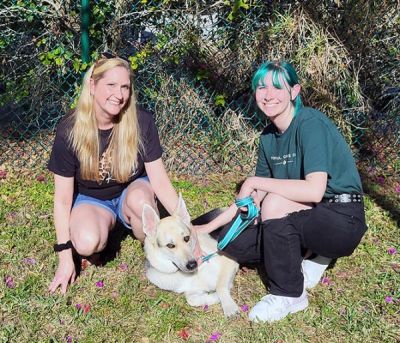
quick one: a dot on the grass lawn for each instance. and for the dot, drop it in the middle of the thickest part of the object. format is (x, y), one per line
(359, 300)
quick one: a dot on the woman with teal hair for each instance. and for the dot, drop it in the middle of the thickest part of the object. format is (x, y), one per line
(309, 193)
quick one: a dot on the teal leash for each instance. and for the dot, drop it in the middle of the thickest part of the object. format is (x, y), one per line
(242, 221)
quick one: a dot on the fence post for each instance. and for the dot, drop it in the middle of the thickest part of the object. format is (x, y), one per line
(85, 19)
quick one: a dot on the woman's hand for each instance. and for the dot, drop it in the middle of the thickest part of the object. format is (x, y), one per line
(205, 228)
(65, 273)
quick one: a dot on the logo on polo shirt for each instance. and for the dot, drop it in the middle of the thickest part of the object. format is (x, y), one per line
(284, 159)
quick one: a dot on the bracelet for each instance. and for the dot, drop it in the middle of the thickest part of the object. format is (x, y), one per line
(63, 246)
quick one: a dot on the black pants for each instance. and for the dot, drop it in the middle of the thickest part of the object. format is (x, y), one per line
(328, 229)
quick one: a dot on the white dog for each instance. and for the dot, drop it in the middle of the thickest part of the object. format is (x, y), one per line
(174, 262)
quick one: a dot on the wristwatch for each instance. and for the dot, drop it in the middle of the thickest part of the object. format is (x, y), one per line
(63, 246)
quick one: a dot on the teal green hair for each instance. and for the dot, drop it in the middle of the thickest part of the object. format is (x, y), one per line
(282, 72)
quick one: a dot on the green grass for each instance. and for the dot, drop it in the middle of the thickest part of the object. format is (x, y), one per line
(352, 308)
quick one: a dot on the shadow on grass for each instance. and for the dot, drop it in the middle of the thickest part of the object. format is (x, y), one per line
(380, 195)
(115, 239)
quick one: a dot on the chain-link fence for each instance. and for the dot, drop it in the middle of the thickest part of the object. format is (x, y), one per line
(193, 62)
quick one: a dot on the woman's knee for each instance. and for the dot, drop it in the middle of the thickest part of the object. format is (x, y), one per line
(273, 207)
(87, 242)
(138, 194)
(136, 197)
(89, 227)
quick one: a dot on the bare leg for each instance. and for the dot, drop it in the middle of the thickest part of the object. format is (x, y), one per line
(275, 206)
(89, 226)
(138, 193)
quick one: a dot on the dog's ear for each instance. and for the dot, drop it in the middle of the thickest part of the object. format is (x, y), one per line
(150, 219)
(181, 211)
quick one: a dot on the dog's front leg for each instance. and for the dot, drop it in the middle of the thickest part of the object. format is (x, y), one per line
(201, 298)
(171, 282)
(224, 284)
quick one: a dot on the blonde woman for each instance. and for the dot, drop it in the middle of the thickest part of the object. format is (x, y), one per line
(106, 161)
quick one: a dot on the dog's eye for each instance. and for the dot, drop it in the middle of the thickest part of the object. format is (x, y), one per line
(170, 245)
(186, 238)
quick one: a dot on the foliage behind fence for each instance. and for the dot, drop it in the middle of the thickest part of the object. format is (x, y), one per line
(193, 63)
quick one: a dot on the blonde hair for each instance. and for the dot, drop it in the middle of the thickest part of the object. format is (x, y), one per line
(125, 141)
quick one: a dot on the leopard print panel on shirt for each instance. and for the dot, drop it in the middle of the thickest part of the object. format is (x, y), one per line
(105, 167)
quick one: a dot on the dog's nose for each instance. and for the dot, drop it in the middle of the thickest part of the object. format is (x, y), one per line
(191, 265)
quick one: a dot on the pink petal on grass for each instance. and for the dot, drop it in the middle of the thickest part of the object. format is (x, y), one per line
(380, 180)
(3, 174)
(78, 306)
(86, 308)
(69, 339)
(392, 251)
(9, 281)
(184, 334)
(325, 281)
(41, 178)
(215, 336)
(99, 284)
(397, 189)
(389, 300)
(123, 267)
(205, 307)
(395, 267)
(29, 260)
(244, 308)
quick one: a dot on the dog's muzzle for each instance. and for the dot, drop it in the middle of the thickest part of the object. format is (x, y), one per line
(191, 265)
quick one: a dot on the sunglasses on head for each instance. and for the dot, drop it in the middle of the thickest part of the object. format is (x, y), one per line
(109, 55)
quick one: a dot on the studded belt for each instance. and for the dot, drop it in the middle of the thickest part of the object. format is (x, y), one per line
(344, 198)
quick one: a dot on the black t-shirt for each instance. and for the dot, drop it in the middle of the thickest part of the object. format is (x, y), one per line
(64, 161)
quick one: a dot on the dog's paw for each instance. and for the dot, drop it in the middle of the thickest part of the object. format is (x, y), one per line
(231, 311)
(202, 299)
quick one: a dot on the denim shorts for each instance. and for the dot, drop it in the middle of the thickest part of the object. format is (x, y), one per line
(113, 205)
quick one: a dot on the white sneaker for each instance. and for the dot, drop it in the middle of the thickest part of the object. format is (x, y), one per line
(275, 307)
(313, 270)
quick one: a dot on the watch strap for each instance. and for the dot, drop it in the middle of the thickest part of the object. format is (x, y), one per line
(63, 246)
